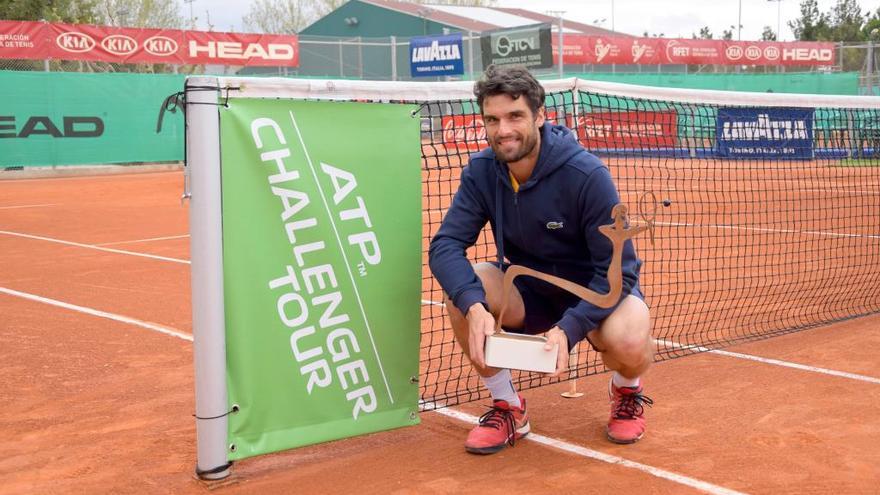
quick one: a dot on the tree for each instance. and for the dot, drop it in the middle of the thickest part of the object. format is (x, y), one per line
(70, 11)
(727, 34)
(847, 21)
(286, 16)
(163, 14)
(705, 34)
(872, 27)
(812, 24)
(768, 34)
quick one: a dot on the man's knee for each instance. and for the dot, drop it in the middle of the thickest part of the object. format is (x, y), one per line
(627, 332)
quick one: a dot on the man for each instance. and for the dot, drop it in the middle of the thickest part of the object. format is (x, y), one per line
(545, 198)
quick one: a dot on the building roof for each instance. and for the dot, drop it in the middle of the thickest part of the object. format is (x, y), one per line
(466, 18)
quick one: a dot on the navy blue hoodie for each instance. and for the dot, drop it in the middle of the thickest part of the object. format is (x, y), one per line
(569, 186)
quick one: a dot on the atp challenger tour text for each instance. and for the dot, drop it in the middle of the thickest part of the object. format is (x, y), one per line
(313, 289)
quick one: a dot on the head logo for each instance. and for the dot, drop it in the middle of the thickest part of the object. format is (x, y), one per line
(771, 53)
(161, 46)
(734, 52)
(119, 44)
(75, 42)
(753, 52)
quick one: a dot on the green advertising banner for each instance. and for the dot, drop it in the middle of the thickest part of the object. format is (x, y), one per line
(51, 118)
(322, 270)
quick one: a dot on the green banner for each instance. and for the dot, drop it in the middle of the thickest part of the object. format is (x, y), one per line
(322, 270)
(51, 118)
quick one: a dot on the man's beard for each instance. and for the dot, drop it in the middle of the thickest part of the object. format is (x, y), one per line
(527, 145)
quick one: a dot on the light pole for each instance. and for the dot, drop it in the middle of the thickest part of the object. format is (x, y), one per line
(192, 20)
(612, 15)
(560, 46)
(778, 19)
(739, 22)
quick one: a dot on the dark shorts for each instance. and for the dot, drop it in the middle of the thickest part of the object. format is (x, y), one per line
(544, 302)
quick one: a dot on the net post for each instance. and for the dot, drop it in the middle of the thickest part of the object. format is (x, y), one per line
(209, 341)
(393, 58)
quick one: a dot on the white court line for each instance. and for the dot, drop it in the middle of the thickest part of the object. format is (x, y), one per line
(101, 314)
(820, 233)
(27, 206)
(775, 362)
(354, 286)
(547, 441)
(90, 246)
(95, 177)
(603, 457)
(151, 239)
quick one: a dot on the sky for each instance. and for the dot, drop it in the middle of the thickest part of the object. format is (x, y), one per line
(672, 18)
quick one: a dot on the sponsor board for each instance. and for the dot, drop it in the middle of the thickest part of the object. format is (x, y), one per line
(436, 56)
(764, 133)
(529, 46)
(37, 40)
(321, 270)
(626, 129)
(584, 49)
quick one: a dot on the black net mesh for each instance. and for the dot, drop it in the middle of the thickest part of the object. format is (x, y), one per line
(770, 224)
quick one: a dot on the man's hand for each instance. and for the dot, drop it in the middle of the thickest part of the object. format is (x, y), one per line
(481, 324)
(556, 336)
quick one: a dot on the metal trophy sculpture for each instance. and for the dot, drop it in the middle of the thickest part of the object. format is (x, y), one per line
(525, 352)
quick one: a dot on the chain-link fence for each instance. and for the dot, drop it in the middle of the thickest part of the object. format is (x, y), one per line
(387, 58)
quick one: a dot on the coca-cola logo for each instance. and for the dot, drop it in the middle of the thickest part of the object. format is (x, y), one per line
(464, 129)
(161, 46)
(119, 44)
(771, 53)
(734, 52)
(75, 42)
(753, 52)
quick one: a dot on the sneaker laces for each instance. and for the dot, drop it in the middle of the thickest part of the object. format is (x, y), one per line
(500, 418)
(631, 406)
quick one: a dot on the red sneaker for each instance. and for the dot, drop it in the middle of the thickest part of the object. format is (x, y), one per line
(627, 421)
(503, 424)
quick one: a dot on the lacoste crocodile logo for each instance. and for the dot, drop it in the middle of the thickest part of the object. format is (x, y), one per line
(554, 225)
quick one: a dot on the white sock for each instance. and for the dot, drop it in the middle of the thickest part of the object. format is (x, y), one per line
(622, 381)
(500, 385)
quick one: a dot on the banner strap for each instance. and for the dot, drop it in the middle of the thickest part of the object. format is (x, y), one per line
(234, 409)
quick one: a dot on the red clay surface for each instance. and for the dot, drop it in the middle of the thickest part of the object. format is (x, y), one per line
(97, 406)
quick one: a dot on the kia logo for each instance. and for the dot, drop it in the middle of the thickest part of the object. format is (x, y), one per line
(119, 44)
(771, 53)
(734, 52)
(753, 52)
(75, 42)
(161, 46)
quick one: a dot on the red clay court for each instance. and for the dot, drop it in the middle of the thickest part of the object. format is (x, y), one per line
(95, 340)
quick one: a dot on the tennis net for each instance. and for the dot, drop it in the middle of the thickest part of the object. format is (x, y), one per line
(772, 218)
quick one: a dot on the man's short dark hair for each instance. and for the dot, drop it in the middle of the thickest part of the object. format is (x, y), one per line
(512, 81)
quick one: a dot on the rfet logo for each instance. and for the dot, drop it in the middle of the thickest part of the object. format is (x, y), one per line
(119, 44)
(734, 52)
(675, 50)
(161, 46)
(75, 42)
